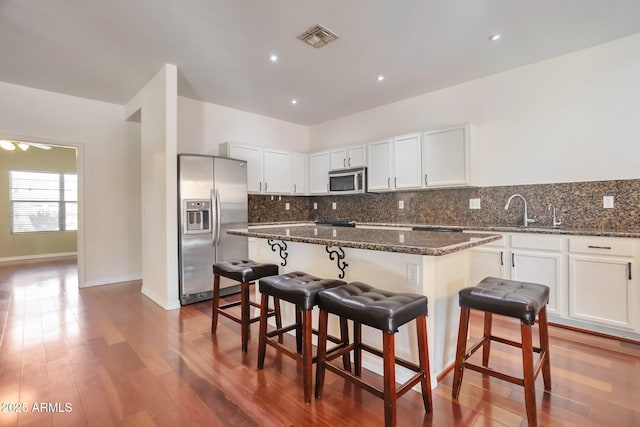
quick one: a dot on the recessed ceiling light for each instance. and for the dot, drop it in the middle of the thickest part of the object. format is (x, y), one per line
(495, 37)
(294, 101)
(273, 58)
(380, 78)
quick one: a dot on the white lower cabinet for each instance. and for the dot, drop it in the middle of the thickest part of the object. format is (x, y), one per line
(545, 268)
(489, 260)
(542, 259)
(602, 284)
(592, 280)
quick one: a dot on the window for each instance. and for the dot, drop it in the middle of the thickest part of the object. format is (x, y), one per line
(43, 201)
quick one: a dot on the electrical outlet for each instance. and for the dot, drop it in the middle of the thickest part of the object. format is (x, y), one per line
(607, 202)
(334, 232)
(286, 206)
(400, 204)
(315, 206)
(279, 197)
(271, 197)
(333, 206)
(412, 274)
(474, 203)
(401, 237)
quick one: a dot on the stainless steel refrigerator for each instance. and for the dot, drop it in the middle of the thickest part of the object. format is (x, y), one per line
(212, 198)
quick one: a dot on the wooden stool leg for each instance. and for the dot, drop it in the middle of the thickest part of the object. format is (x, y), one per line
(423, 351)
(276, 308)
(357, 350)
(486, 346)
(458, 369)
(529, 379)
(307, 357)
(216, 303)
(344, 338)
(262, 338)
(298, 330)
(244, 317)
(544, 346)
(322, 352)
(390, 396)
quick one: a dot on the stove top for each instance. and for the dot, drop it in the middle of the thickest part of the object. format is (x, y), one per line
(336, 223)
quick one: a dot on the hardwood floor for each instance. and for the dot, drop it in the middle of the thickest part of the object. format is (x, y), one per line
(109, 356)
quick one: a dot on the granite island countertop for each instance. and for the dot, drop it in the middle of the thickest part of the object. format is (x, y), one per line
(536, 229)
(431, 243)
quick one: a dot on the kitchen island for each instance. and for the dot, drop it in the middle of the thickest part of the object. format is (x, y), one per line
(432, 263)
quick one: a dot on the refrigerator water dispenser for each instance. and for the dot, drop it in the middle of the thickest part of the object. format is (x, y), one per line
(197, 216)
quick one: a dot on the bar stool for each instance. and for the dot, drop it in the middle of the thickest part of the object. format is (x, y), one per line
(301, 289)
(244, 271)
(385, 311)
(524, 301)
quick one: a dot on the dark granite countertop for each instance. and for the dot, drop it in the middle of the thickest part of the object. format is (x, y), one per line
(627, 232)
(410, 242)
(608, 232)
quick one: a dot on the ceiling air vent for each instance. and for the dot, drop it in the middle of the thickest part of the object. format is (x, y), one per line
(317, 36)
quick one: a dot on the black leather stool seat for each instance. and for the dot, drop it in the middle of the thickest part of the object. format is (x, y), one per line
(245, 270)
(377, 308)
(298, 288)
(506, 297)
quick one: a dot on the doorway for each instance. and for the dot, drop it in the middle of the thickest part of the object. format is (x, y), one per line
(40, 203)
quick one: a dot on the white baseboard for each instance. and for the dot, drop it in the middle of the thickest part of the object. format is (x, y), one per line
(38, 257)
(167, 305)
(111, 281)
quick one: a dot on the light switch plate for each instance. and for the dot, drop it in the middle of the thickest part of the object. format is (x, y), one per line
(474, 203)
(333, 206)
(607, 202)
(286, 206)
(315, 205)
(400, 204)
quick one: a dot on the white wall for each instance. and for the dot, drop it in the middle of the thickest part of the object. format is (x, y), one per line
(571, 118)
(156, 106)
(108, 162)
(203, 126)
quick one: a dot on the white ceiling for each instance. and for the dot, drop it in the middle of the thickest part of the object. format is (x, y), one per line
(107, 50)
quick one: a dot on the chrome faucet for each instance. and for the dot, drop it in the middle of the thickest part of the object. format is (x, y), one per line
(525, 219)
(556, 222)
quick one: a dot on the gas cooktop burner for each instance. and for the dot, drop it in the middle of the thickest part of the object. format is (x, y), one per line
(337, 223)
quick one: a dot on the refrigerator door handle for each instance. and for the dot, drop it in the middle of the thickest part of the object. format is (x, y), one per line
(218, 222)
(214, 212)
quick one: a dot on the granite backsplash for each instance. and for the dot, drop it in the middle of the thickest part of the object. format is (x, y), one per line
(578, 205)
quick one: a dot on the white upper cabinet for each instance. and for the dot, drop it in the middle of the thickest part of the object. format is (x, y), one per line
(299, 173)
(277, 171)
(394, 163)
(348, 157)
(380, 161)
(319, 165)
(445, 157)
(407, 172)
(268, 170)
(253, 156)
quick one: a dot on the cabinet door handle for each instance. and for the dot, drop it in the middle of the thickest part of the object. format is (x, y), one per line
(344, 163)
(261, 186)
(349, 162)
(294, 188)
(501, 257)
(513, 260)
(629, 264)
(389, 182)
(327, 187)
(425, 179)
(265, 186)
(598, 247)
(395, 181)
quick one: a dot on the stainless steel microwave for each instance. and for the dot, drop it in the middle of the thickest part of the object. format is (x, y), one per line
(348, 181)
